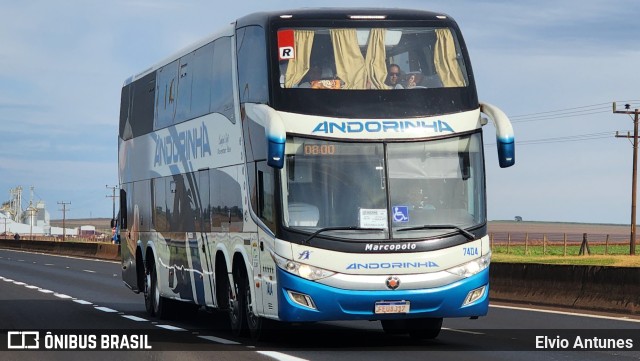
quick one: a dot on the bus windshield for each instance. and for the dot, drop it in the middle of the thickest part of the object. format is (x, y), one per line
(370, 58)
(425, 183)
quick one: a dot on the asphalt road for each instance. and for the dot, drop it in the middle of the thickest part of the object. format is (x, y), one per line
(79, 301)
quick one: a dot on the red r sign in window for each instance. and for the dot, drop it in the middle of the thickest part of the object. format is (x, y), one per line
(286, 45)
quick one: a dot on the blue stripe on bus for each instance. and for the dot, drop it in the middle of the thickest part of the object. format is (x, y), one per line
(340, 304)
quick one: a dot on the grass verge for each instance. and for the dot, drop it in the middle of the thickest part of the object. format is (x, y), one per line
(588, 260)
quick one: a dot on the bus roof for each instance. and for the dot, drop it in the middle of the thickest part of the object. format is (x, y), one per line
(264, 18)
(341, 14)
(227, 31)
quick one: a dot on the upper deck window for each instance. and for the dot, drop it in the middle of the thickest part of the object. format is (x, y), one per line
(370, 58)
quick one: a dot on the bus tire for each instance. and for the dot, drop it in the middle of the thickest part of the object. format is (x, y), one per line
(424, 328)
(394, 327)
(237, 306)
(153, 302)
(255, 323)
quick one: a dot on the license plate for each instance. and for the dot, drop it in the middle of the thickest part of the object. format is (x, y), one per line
(392, 307)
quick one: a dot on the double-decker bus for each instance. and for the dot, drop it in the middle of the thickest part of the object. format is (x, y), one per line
(311, 165)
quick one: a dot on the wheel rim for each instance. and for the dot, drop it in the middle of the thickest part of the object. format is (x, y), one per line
(233, 307)
(147, 282)
(156, 292)
(252, 319)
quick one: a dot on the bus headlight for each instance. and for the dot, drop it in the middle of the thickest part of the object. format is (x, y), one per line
(471, 268)
(301, 269)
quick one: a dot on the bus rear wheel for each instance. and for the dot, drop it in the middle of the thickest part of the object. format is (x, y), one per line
(153, 302)
(255, 323)
(244, 321)
(237, 305)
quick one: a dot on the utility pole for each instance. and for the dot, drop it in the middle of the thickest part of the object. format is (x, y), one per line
(64, 218)
(634, 182)
(113, 197)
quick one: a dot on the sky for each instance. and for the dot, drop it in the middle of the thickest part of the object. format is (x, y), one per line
(554, 67)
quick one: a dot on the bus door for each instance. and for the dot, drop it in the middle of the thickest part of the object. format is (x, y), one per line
(265, 273)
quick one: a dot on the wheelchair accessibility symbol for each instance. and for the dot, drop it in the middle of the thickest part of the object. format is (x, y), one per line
(400, 214)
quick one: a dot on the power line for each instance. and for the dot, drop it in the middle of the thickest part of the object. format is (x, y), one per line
(579, 111)
(559, 110)
(569, 138)
(561, 115)
(597, 106)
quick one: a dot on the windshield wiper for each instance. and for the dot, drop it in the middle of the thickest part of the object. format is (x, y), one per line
(470, 236)
(344, 228)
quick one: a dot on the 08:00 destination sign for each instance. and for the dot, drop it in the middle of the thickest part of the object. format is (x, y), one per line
(319, 149)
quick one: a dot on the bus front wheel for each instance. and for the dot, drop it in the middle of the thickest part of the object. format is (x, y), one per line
(417, 328)
(424, 328)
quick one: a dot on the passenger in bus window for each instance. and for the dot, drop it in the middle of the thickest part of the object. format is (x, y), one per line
(414, 80)
(314, 73)
(393, 76)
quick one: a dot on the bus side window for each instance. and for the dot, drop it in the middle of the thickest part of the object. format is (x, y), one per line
(266, 195)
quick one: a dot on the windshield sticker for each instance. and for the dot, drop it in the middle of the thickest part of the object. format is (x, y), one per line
(373, 218)
(400, 214)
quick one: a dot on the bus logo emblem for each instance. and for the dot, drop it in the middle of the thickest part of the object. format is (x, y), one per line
(392, 282)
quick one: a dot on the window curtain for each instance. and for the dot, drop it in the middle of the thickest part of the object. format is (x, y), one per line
(350, 64)
(299, 66)
(375, 60)
(446, 59)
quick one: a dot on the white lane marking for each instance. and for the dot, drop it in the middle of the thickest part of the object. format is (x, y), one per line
(63, 296)
(49, 264)
(621, 318)
(172, 328)
(44, 291)
(105, 309)
(135, 318)
(60, 256)
(463, 331)
(83, 302)
(87, 270)
(7, 279)
(32, 287)
(281, 356)
(219, 340)
(19, 283)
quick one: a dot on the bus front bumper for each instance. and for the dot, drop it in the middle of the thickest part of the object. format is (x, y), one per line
(330, 303)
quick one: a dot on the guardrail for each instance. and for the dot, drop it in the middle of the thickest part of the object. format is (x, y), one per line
(601, 288)
(97, 250)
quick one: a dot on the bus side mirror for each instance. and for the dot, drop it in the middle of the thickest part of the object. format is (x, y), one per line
(123, 209)
(275, 153)
(506, 153)
(274, 131)
(505, 139)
